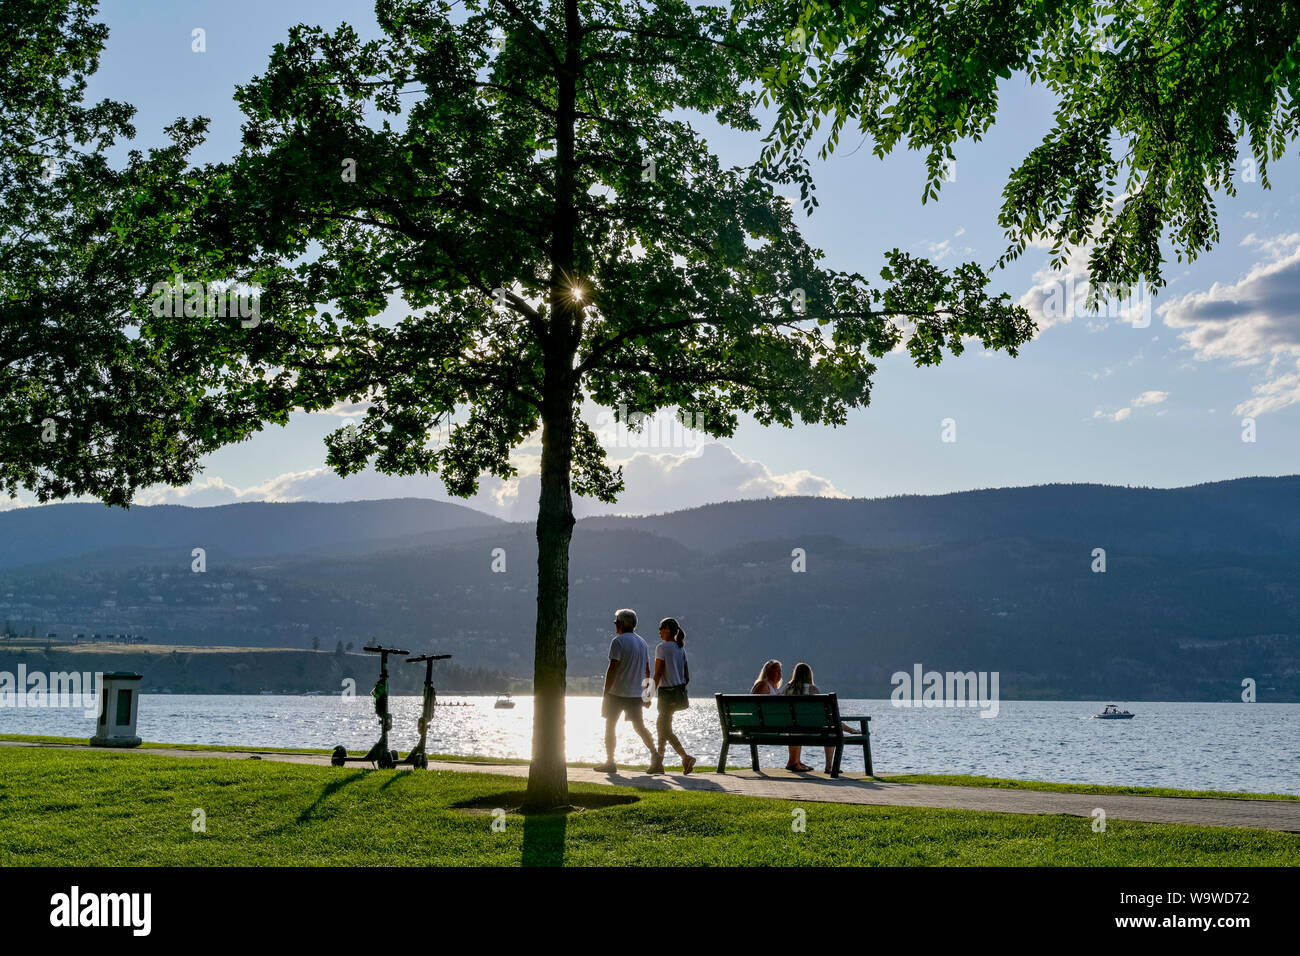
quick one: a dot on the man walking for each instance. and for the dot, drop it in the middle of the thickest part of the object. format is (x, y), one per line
(629, 668)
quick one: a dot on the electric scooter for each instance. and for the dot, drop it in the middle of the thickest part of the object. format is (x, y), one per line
(379, 754)
(418, 757)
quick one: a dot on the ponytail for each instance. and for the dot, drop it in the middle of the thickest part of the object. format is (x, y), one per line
(674, 630)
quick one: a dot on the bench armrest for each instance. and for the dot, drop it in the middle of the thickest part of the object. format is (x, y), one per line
(862, 723)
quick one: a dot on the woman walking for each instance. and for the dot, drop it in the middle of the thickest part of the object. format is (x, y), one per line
(672, 674)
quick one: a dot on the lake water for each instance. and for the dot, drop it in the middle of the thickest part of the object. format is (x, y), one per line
(1225, 746)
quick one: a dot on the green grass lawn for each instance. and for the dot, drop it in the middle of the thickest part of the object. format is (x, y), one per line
(1000, 783)
(953, 780)
(92, 808)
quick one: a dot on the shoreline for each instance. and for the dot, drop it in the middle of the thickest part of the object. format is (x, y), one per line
(946, 780)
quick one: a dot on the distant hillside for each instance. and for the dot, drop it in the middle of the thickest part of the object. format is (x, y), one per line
(1201, 590)
(252, 529)
(223, 670)
(1250, 515)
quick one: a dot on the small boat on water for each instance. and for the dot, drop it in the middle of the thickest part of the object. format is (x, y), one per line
(504, 702)
(1113, 713)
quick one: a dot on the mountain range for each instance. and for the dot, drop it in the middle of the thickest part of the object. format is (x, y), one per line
(1200, 588)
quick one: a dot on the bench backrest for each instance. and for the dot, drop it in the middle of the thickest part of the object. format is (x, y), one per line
(768, 713)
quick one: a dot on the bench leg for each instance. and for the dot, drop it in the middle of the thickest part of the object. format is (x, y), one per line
(866, 753)
(839, 752)
(722, 758)
(753, 756)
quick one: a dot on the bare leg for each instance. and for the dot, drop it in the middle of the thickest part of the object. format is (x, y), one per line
(639, 726)
(611, 738)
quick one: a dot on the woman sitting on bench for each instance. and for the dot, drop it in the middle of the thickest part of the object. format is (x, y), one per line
(769, 682)
(801, 685)
(769, 679)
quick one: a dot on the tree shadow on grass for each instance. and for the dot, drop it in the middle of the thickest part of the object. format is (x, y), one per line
(544, 830)
(543, 843)
(328, 791)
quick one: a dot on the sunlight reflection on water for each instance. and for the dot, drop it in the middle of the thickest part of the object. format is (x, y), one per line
(1222, 746)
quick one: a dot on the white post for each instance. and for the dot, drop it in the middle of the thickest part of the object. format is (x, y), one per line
(119, 705)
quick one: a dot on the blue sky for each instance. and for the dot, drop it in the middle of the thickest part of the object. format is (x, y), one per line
(1090, 399)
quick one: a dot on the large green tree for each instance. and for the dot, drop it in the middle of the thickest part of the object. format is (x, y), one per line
(509, 214)
(505, 210)
(88, 406)
(1158, 104)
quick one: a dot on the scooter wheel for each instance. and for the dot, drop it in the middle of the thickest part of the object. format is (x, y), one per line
(395, 757)
(340, 756)
(422, 762)
(386, 761)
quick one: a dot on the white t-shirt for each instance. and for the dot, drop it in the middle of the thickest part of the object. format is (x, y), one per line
(633, 656)
(674, 659)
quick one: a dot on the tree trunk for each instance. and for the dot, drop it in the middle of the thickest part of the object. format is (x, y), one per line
(548, 781)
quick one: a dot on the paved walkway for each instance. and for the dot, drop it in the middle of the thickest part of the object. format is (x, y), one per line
(1281, 815)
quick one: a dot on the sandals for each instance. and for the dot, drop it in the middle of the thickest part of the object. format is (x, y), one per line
(688, 764)
(800, 767)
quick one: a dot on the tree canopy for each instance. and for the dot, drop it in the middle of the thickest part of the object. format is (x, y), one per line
(87, 405)
(503, 209)
(1155, 100)
(541, 188)
(510, 213)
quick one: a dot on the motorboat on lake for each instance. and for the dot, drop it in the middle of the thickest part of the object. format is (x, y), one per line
(1113, 713)
(504, 702)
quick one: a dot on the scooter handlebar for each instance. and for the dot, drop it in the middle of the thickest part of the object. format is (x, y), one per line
(376, 648)
(428, 657)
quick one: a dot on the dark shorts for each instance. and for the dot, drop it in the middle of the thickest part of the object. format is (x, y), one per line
(629, 707)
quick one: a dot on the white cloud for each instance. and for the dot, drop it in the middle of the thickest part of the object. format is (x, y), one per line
(1060, 295)
(940, 250)
(670, 481)
(346, 409)
(1150, 398)
(1255, 321)
(1272, 396)
(653, 483)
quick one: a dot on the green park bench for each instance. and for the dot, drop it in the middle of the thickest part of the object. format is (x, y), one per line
(755, 719)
